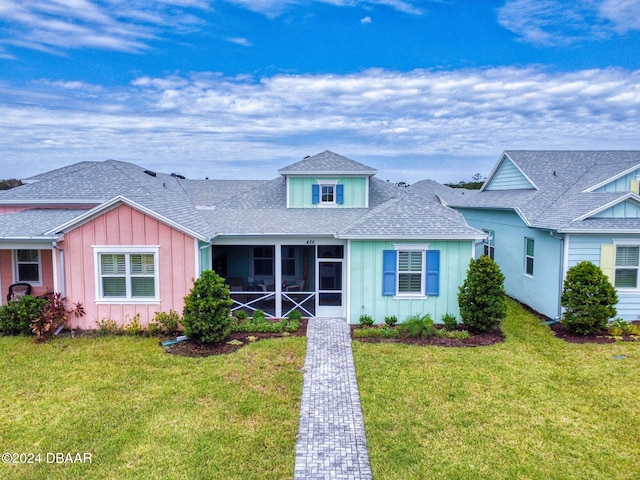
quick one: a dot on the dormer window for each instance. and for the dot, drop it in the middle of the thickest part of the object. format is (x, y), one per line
(327, 194)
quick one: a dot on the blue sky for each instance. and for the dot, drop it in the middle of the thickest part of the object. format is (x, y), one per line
(239, 88)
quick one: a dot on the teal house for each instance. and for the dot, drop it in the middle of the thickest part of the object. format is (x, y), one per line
(545, 211)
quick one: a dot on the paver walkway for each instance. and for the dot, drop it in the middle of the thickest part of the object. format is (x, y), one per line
(331, 438)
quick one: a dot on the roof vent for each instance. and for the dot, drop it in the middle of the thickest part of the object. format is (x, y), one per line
(177, 175)
(306, 157)
(150, 172)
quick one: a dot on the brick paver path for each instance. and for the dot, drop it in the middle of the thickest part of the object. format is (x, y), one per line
(331, 438)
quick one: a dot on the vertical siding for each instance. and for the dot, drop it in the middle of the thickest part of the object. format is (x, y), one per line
(621, 210)
(508, 177)
(621, 184)
(355, 191)
(366, 281)
(124, 226)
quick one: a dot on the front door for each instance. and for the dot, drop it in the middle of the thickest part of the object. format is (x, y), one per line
(330, 282)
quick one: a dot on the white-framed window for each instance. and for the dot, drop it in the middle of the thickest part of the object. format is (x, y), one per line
(327, 194)
(127, 274)
(489, 244)
(626, 266)
(263, 261)
(528, 256)
(410, 272)
(28, 266)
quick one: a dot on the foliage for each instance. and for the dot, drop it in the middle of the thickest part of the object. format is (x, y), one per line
(133, 327)
(107, 326)
(391, 320)
(620, 327)
(366, 320)
(207, 313)
(475, 184)
(588, 299)
(481, 296)
(260, 324)
(418, 326)
(54, 314)
(457, 334)
(17, 316)
(10, 183)
(450, 322)
(295, 315)
(165, 323)
(384, 331)
(241, 315)
(258, 315)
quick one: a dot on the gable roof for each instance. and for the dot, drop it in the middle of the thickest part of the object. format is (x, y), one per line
(564, 200)
(325, 163)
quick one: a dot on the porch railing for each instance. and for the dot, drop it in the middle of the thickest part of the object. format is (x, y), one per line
(248, 301)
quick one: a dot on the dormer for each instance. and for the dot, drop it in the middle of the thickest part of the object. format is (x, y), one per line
(625, 181)
(327, 180)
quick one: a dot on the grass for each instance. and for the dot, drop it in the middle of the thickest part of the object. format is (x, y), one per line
(533, 407)
(142, 413)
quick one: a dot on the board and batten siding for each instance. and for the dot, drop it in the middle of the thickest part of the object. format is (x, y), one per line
(120, 227)
(590, 248)
(626, 183)
(366, 277)
(300, 191)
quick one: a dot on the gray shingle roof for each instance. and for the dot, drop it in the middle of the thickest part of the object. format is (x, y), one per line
(213, 207)
(562, 179)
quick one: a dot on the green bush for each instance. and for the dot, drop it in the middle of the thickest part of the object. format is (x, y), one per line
(588, 299)
(295, 315)
(17, 316)
(481, 297)
(391, 320)
(450, 322)
(165, 323)
(107, 326)
(207, 309)
(417, 326)
(366, 320)
(133, 327)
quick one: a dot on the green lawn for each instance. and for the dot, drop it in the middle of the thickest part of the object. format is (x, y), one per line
(142, 413)
(533, 407)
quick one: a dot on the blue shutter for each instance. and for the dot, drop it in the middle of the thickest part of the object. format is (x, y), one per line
(389, 263)
(339, 194)
(433, 272)
(315, 194)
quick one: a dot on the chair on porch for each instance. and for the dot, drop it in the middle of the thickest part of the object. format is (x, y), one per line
(18, 290)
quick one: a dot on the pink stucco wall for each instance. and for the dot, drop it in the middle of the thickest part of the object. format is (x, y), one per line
(125, 226)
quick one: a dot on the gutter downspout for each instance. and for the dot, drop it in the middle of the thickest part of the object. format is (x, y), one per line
(62, 287)
(564, 241)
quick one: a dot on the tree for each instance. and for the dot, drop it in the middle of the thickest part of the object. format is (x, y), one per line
(588, 299)
(10, 183)
(207, 313)
(481, 296)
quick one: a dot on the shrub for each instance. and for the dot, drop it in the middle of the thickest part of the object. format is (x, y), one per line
(107, 326)
(367, 332)
(588, 299)
(133, 327)
(17, 316)
(54, 314)
(207, 312)
(618, 327)
(417, 326)
(391, 320)
(165, 323)
(481, 297)
(295, 315)
(366, 320)
(258, 316)
(450, 322)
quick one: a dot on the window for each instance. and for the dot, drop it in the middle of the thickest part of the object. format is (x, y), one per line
(489, 244)
(28, 266)
(263, 261)
(289, 261)
(127, 275)
(528, 256)
(327, 194)
(626, 267)
(411, 271)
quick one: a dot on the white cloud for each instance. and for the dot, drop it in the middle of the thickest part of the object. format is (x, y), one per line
(365, 20)
(211, 125)
(273, 8)
(240, 41)
(557, 22)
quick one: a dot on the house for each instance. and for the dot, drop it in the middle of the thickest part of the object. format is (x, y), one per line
(545, 211)
(326, 237)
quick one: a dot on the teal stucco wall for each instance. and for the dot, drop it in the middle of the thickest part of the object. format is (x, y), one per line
(355, 191)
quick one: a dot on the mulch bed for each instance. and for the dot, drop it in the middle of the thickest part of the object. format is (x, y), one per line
(193, 349)
(474, 340)
(561, 331)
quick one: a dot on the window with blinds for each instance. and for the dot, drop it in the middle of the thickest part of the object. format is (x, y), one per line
(127, 275)
(626, 267)
(410, 271)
